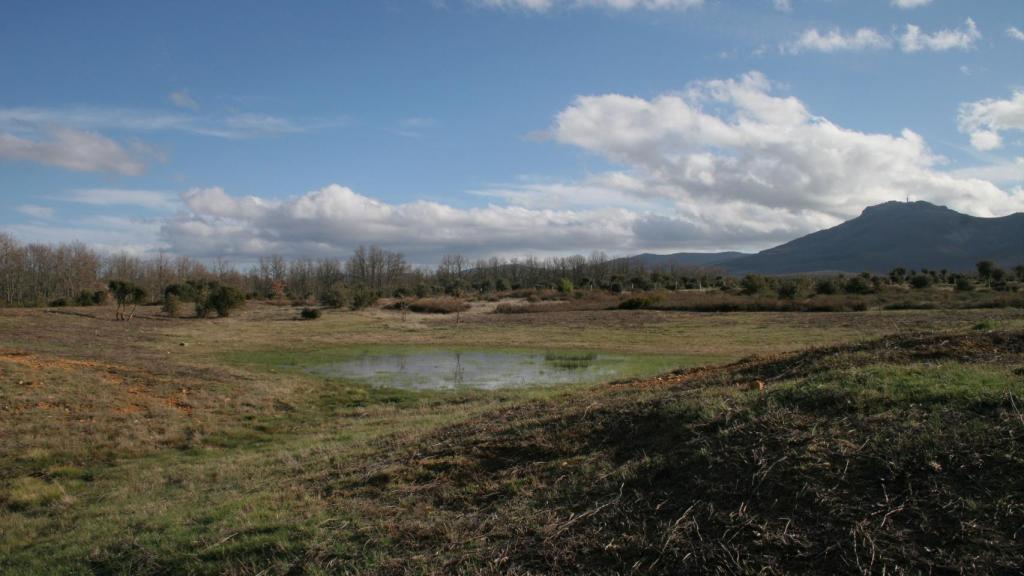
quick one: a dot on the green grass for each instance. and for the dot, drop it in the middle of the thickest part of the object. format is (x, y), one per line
(877, 387)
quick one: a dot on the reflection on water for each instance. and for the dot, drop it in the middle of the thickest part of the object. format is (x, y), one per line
(441, 369)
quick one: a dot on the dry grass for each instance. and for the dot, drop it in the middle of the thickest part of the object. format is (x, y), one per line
(125, 451)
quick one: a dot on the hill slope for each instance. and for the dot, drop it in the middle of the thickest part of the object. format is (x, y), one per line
(896, 234)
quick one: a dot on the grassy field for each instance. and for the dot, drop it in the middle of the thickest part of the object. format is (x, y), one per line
(182, 445)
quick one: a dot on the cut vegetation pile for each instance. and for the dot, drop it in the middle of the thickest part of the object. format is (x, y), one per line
(900, 455)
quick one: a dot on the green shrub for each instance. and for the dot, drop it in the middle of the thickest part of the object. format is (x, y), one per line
(362, 297)
(310, 313)
(187, 292)
(214, 297)
(59, 302)
(334, 297)
(224, 299)
(565, 286)
(752, 284)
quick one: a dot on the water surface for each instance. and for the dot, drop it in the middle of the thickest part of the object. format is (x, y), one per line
(487, 370)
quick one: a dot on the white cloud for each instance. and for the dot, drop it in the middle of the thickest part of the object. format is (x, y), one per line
(985, 119)
(723, 164)
(546, 5)
(913, 40)
(1015, 33)
(1003, 171)
(782, 5)
(766, 152)
(149, 199)
(36, 211)
(335, 219)
(71, 149)
(910, 3)
(835, 41)
(237, 125)
(182, 99)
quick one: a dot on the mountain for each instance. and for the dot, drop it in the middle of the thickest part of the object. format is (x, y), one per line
(680, 259)
(911, 235)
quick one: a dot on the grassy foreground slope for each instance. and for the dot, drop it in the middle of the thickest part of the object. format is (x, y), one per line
(902, 455)
(124, 452)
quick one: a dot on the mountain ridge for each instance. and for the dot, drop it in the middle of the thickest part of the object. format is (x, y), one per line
(886, 236)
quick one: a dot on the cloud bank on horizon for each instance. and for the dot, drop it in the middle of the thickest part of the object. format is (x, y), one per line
(763, 169)
(736, 161)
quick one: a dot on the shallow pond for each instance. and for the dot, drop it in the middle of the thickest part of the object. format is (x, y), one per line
(488, 370)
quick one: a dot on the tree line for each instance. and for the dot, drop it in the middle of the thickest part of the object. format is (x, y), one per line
(74, 274)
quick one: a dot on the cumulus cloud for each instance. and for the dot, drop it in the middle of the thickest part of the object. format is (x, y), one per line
(835, 41)
(72, 149)
(914, 40)
(985, 119)
(545, 5)
(765, 151)
(1015, 33)
(335, 219)
(723, 164)
(910, 3)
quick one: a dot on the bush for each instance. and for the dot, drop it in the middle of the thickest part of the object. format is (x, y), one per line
(920, 282)
(362, 297)
(59, 302)
(187, 292)
(172, 305)
(224, 299)
(310, 313)
(86, 298)
(963, 284)
(565, 286)
(501, 285)
(826, 286)
(334, 297)
(215, 297)
(858, 285)
(787, 290)
(752, 284)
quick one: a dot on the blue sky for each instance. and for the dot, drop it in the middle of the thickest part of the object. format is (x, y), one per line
(505, 127)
